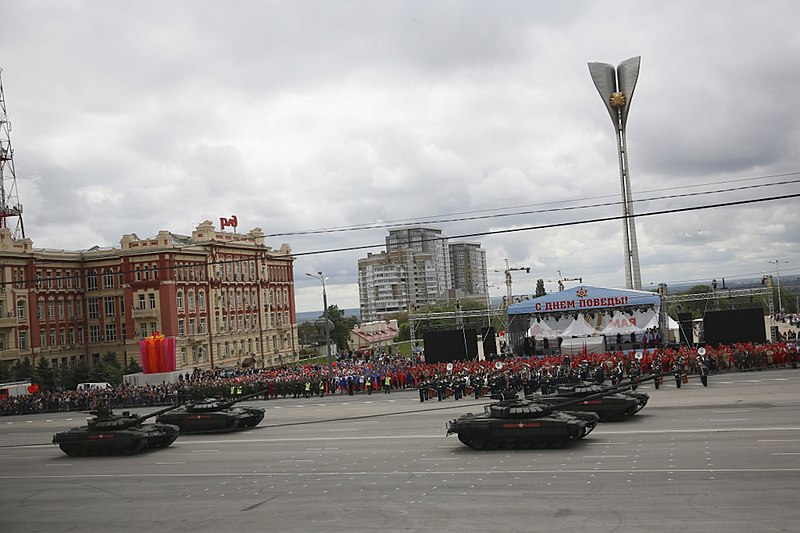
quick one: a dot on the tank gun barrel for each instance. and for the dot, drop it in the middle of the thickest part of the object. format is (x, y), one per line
(139, 419)
(231, 403)
(610, 390)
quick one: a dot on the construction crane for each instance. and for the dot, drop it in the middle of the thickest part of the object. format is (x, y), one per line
(508, 270)
(561, 281)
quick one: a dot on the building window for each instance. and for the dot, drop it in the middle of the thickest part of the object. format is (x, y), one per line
(108, 306)
(40, 310)
(21, 310)
(108, 279)
(51, 312)
(94, 307)
(181, 328)
(201, 300)
(94, 333)
(152, 298)
(23, 340)
(190, 300)
(91, 281)
(52, 337)
(179, 299)
(111, 332)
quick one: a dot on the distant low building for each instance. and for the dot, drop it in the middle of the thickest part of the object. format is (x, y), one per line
(374, 335)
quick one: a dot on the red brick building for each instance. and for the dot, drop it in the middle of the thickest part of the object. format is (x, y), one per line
(227, 298)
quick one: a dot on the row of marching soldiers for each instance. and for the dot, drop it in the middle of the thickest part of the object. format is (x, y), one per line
(546, 379)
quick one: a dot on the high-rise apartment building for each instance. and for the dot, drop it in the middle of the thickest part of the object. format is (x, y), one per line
(420, 239)
(227, 298)
(468, 268)
(417, 268)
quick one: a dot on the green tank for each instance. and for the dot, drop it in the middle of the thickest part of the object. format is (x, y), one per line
(531, 422)
(617, 406)
(521, 423)
(214, 415)
(116, 434)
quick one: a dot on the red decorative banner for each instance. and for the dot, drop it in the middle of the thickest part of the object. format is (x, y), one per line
(158, 353)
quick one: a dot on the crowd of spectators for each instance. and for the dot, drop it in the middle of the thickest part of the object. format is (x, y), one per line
(361, 374)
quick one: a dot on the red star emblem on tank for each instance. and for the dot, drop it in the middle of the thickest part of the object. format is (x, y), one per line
(581, 293)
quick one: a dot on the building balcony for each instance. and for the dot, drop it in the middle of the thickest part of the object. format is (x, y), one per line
(8, 322)
(144, 312)
(9, 354)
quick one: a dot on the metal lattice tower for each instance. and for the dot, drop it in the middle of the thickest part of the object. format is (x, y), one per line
(10, 207)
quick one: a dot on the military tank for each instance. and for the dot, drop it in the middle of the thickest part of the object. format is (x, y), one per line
(214, 415)
(619, 404)
(530, 422)
(116, 434)
(521, 423)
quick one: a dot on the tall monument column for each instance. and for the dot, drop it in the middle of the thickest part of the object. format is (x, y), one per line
(616, 86)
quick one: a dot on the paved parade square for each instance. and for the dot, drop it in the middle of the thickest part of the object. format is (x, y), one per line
(722, 458)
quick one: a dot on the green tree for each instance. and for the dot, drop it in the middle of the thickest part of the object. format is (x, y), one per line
(6, 372)
(77, 373)
(44, 375)
(23, 370)
(133, 367)
(308, 333)
(342, 326)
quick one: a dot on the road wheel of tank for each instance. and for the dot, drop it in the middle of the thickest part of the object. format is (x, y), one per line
(509, 444)
(477, 443)
(464, 439)
(135, 447)
(524, 444)
(557, 444)
(163, 442)
(493, 444)
(540, 444)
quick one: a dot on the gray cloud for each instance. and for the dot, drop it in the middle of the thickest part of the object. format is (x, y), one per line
(137, 117)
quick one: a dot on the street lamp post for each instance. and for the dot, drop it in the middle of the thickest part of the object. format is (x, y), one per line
(777, 264)
(322, 279)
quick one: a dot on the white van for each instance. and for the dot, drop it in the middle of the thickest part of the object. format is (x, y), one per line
(93, 386)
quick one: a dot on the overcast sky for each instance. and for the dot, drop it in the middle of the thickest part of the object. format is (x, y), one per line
(135, 117)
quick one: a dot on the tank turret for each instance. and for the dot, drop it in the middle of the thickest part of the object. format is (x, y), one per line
(215, 415)
(107, 433)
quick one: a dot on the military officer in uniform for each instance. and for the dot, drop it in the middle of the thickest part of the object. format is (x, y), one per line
(702, 368)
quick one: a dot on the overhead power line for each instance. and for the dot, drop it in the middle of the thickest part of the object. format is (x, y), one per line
(438, 219)
(569, 223)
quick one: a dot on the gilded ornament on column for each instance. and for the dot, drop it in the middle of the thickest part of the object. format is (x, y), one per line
(617, 99)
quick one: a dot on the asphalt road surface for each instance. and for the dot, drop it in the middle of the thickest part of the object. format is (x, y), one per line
(722, 458)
